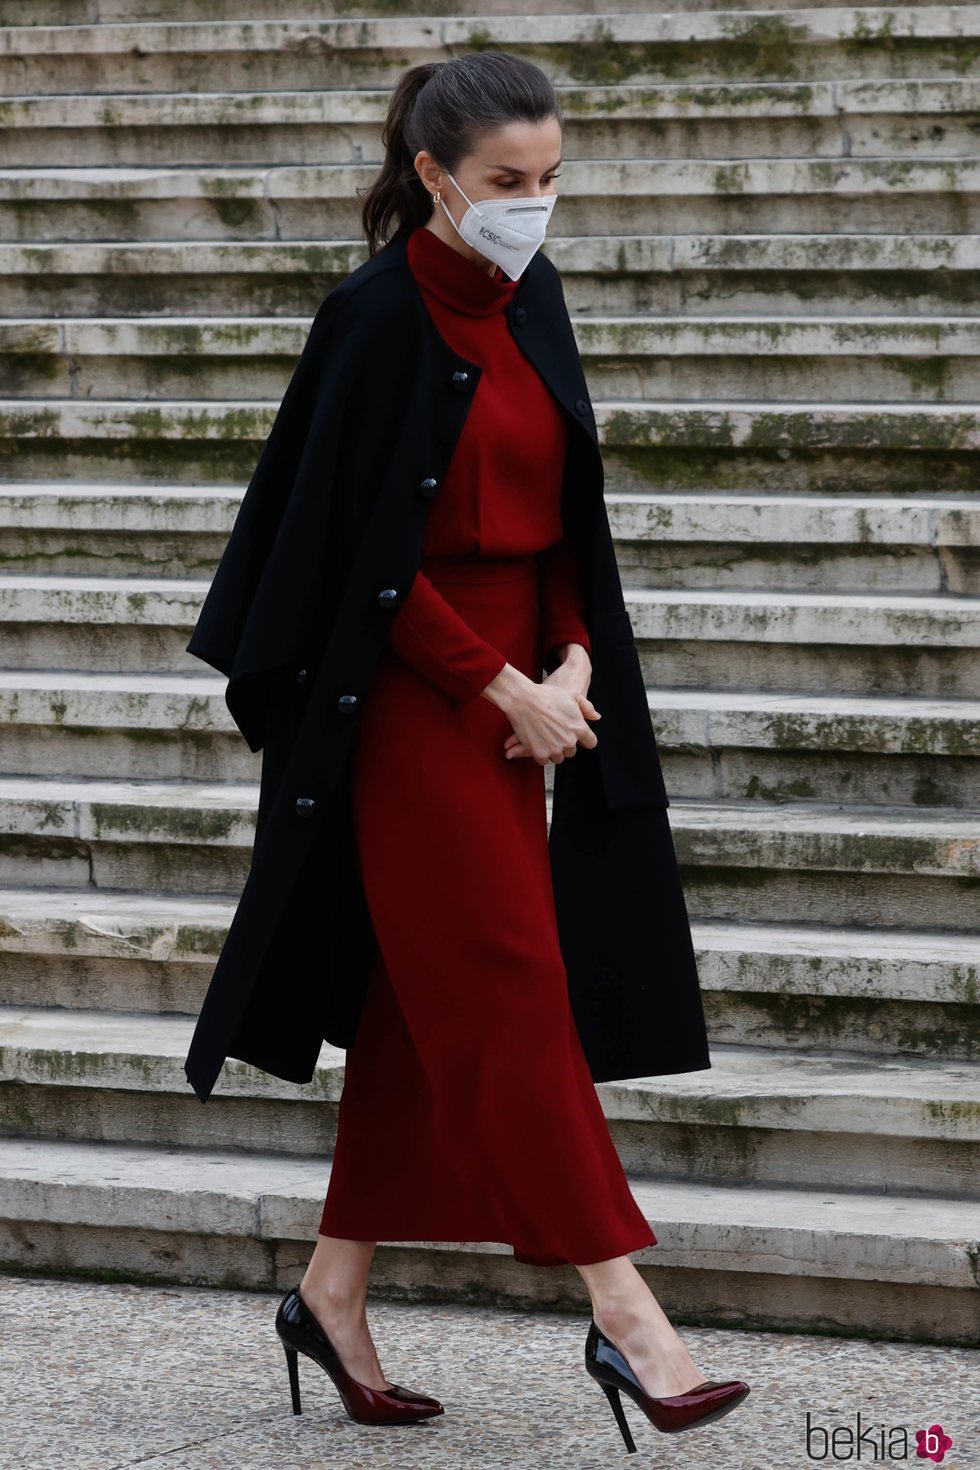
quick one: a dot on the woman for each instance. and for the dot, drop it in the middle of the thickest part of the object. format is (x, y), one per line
(468, 1110)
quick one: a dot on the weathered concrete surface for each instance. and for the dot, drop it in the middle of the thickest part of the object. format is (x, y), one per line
(192, 1379)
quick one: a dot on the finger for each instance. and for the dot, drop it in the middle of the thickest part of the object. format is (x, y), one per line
(585, 735)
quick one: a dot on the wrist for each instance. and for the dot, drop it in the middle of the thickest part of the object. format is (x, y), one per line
(509, 685)
(573, 654)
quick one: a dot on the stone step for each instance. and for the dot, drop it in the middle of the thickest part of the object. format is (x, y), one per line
(714, 744)
(81, 12)
(82, 948)
(861, 359)
(734, 744)
(808, 642)
(773, 1117)
(936, 117)
(752, 860)
(804, 617)
(655, 445)
(783, 985)
(850, 543)
(163, 836)
(888, 992)
(103, 624)
(168, 727)
(800, 44)
(823, 1260)
(893, 867)
(100, 623)
(70, 528)
(908, 543)
(623, 197)
(881, 274)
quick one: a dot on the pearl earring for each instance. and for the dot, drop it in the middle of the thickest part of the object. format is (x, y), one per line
(437, 196)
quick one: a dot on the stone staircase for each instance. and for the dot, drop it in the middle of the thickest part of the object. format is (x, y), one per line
(767, 231)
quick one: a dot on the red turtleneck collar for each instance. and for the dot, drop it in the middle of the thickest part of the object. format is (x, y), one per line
(453, 278)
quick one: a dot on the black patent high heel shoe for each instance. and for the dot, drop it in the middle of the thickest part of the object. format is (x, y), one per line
(698, 1405)
(300, 1332)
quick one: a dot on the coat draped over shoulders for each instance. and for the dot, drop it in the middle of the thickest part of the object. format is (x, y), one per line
(330, 526)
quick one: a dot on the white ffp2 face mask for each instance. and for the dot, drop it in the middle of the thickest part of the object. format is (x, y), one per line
(506, 231)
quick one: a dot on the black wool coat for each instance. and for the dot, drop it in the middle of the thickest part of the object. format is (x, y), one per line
(325, 546)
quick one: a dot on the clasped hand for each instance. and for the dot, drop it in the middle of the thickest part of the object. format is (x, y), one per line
(551, 720)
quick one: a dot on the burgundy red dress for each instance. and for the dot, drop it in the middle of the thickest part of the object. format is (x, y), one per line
(468, 1112)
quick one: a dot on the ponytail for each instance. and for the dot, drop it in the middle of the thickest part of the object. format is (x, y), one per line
(398, 193)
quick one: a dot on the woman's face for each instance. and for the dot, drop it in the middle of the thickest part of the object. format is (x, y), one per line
(517, 160)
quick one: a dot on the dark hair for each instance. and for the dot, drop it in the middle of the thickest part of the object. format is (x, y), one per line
(444, 107)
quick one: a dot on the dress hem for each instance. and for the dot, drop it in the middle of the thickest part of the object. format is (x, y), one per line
(527, 1258)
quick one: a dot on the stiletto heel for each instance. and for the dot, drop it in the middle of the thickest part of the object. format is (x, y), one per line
(300, 1332)
(293, 1367)
(612, 1394)
(294, 1378)
(701, 1404)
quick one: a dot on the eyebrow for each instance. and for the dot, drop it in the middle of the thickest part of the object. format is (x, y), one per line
(508, 168)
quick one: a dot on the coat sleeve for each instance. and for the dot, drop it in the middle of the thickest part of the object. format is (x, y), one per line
(429, 634)
(562, 607)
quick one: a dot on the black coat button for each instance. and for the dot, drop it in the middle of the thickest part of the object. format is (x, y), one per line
(428, 487)
(301, 676)
(461, 380)
(520, 315)
(305, 806)
(388, 598)
(581, 406)
(347, 704)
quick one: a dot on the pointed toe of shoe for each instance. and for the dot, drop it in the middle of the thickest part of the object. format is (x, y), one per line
(700, 1405)
(711, 1390)
(420, 1401)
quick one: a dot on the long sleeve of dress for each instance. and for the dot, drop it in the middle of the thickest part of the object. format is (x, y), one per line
(429, 634)
(562, 607)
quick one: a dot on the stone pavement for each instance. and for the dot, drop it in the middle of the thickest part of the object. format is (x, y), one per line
(105, 1376)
